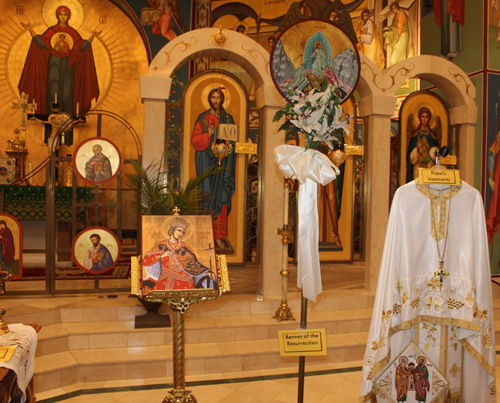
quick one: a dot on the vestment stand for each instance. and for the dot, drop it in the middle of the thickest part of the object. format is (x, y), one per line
(179, 302)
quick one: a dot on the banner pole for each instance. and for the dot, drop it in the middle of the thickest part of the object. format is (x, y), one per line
(302, 359)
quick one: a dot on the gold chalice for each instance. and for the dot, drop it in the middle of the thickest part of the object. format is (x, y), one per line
(221, 149)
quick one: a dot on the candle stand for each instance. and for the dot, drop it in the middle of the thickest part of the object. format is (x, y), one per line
(284, 312)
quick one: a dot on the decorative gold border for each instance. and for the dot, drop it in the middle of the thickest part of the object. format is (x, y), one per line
(478, 357)
(224, 285)
(441, 321)
(443, 356)
(203, 294)
(135, 275)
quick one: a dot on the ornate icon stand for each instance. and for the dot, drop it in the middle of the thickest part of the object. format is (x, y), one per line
(179, 302)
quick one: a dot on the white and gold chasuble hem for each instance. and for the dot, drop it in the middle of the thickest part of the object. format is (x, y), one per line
(456, 317)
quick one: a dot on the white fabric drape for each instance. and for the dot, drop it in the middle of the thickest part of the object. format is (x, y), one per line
(309, 167)
(405, 297)
(22, 361)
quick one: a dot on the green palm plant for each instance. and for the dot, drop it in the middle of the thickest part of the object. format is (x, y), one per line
(155, 196)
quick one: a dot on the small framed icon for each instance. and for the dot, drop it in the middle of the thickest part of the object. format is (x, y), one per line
(97, 161)
(96, 250)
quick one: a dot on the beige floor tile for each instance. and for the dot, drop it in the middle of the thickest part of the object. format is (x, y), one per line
(347, 388)
(72, 388)
(348, 364)
(210, 394)
(109, 340)
(202, 350)
(104, 327)
(158, 381)
(250, 346)
(204, 377)
(197, 323)
(50, 393)
(361, 338)
(310, 395)
(127, 354)
(93, 385)
(267, 389)
(51, 331)
(331, 388)
(146, 339)
(125, 383)
(275, 371)
(356, 313)
(324, 316)
(242, 374)
(340, 340)
(54, 361)
(244, 398)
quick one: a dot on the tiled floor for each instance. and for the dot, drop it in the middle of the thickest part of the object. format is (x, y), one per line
(336, 383)
(322, 384)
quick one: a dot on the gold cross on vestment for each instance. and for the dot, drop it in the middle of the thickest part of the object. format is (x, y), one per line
(440, 274)
(26, 108)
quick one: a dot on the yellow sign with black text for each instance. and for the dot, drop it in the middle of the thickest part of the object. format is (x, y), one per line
(439, 176)
(449, 160)
(302, 342)
(246, 148)
(354, 150)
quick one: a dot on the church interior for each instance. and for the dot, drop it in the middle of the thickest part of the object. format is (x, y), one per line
(259, 201)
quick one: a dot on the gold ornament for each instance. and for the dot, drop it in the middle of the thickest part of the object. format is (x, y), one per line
(337, 157)
(219, 38)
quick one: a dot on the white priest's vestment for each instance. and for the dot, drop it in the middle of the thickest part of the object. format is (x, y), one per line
(452, 324)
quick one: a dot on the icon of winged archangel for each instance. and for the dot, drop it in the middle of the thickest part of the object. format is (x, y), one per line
(165, 18)
(423, 138)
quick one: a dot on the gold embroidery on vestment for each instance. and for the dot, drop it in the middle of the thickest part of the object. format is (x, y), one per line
(478, 357)
(454, 370)
(438, 206)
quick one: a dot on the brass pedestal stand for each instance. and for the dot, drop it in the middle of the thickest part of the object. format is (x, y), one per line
(179, 302)
(284, 312)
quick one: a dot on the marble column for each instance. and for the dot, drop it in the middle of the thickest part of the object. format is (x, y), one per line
(154, 128)
(155, 90)
(272, 187)
(377, 109)
(465, 116)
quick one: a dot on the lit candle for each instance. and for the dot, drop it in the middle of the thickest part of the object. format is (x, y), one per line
(56, 98)
(77, 108)
(285, 201)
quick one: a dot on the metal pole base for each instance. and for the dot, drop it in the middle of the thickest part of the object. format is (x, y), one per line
(180, 395)
(283, 313)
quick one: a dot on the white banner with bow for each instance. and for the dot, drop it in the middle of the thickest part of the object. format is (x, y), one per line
(309, 167)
